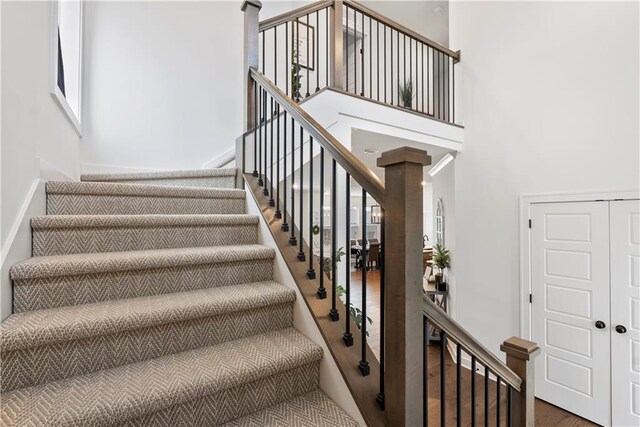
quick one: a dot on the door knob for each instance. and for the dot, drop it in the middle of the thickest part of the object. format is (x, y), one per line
(621, 329)
(600, 324)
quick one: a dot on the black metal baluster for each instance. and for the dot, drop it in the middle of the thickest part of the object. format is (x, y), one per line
(425, 375)
(321, 292)
(453, 89)
(311, 273)
(398, 63)
(370, 60)
(292, 238)
(404, 63)
(278, 213)
(333, 313)
(458, 385)
(443, 397)
(410, 65)
(272, 202)
(287, 64)
(306, 21)
(347, 337)
(298, 85)
(422, 75)
(390, 63)
(384, 59)
(441, 86)
(316, 39)
(377, 60)
(265, 188)
(355, 51)
(346, 65)
(380, 396)
(362, 57)
(285, 226)
(509, 397)
(326, 48)
(497, 401)
(255, 129)
(486, 396)
(260, 132)
(364, 364)
(433, 82)
(301, 256)
(473, 391)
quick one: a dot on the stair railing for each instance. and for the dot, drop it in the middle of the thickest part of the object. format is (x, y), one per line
(303, 180)
(345, 46)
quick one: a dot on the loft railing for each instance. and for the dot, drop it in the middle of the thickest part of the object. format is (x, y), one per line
(348, 47)
(303, 178)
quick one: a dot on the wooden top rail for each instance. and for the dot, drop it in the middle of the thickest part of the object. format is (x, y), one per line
(345, 158)
(293, 14)
(459, 335)
(401, 28)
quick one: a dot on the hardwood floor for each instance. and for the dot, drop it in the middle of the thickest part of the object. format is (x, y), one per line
(546, 414)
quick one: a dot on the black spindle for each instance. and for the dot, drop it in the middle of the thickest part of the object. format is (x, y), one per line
(333, 313)
(458, 385)
(292, 238)
(311, 273)
(497, 401)
(260, 132)
(486, 396)
(347, 336)
(364, 364)
(285, 226)
(278, 213)
(265, 188)
(321, 292)
(425, 375)
(308, 65)
(255, 129)
(380, 397)
(473, 391)
(443, 397)
(301, 256)
(272, 202)
(509, 397)
(316, 40)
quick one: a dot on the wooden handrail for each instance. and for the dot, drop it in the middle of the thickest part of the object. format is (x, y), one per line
(293, 14)
(345, 158)
(459, 335)
(401, 28)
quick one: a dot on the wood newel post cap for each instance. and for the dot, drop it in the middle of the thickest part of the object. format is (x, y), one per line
(404, 155)
(520, 348)
(254, 3)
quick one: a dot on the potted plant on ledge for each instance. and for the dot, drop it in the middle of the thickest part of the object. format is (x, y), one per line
(441, 260)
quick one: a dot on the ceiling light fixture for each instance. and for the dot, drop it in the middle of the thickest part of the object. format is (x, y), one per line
(370, 151)
(441, 164)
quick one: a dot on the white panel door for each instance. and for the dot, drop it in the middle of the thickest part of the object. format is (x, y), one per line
(625, 312)
(570, 306)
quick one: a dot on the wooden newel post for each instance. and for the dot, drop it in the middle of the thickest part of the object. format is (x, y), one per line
(336, 49)
(520, 354)
(251, 9)
(403, 169)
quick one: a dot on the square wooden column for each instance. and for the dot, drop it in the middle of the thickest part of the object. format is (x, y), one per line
(403, 174)
(520, 354)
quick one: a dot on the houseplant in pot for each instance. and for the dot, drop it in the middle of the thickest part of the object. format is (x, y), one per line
(406, 94)
(441, 260)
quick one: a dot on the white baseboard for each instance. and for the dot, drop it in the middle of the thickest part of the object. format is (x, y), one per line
(90, 168)
(17, 246)
(222, 160)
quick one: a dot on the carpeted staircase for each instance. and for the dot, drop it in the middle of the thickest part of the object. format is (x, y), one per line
(148, 302)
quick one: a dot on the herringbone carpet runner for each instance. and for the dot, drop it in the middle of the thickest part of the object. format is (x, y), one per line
(148, 302)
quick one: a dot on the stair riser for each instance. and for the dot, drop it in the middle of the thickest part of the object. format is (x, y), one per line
(28, 367)
(44, 293)
(232, 403)
(89, 204)
(210, 182)
(60, 241)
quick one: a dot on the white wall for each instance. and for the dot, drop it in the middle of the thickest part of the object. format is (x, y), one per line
(550, 96)
(443, 184)
(35, 130)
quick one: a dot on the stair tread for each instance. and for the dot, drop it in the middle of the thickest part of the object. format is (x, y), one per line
(43, 327)
(133, 390)
(73, 264)
(104, 221)
(194, 173)
(312, 409)
(109, 188)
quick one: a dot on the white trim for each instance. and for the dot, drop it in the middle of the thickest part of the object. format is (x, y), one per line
(221, 159)
(87, 168)
(56, 93)
(526, 200)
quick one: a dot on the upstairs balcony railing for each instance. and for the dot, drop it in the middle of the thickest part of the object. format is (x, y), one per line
(348, 47)
(296, 170)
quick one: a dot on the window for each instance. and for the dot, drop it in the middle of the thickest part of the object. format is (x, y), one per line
(66, 57)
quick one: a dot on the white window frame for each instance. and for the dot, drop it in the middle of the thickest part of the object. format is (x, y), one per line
(54, 89)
